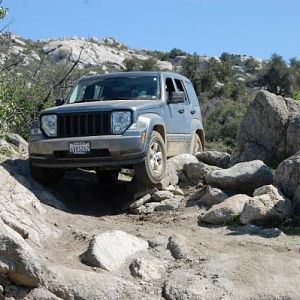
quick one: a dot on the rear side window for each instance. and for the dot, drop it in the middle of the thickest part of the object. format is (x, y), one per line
(191, 93)
(179, 85)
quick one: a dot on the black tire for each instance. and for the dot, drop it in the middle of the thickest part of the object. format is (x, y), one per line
(197, 144)
(152, 170)
(47, 176)
(107, 177)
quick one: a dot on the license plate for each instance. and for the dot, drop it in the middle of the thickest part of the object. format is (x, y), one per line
(79, 148)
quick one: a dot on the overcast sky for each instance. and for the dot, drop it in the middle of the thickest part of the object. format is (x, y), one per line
(256, 27)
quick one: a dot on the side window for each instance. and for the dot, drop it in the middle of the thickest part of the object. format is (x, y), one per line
(169, 86)
(179, 85)
(191, 93)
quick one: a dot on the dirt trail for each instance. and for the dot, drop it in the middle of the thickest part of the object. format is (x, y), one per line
(248, 264)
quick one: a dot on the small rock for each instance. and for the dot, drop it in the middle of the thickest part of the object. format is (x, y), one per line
(159, 241)
(178, 247)
(109, 250)
(198, 171)
(212, 196)
(144, 193)
(214, 158)
(175, 190)
(169, 204)
(161, 195)
(141, 201)
(146, 270)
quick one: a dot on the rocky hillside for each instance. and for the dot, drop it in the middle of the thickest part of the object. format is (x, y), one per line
(213, 228)
(110, 53)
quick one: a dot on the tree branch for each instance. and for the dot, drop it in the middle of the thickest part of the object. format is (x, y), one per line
(60, 82)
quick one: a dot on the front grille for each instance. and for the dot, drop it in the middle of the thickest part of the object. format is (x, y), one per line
(83, 124)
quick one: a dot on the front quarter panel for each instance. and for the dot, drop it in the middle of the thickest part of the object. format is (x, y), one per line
(152, 120)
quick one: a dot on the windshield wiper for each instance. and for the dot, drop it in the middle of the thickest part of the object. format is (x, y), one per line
(118, 98)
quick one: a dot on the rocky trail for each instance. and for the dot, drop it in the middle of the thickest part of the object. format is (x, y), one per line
(208, 232)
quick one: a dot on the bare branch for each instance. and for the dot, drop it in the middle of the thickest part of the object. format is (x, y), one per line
(4, 28)
(13, 64)
(60, 82)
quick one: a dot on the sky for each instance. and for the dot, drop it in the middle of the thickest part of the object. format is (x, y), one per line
(207, 27)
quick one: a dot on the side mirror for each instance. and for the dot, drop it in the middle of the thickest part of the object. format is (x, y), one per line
(59, 102)
(177, 97)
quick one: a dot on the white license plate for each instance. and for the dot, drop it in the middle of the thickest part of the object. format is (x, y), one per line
(79, 148)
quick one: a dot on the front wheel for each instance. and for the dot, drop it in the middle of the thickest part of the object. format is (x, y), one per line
(46, 176)
(152, 170)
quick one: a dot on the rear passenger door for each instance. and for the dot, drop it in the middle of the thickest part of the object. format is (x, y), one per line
(174, 116)
(194, 102)
(185, 106)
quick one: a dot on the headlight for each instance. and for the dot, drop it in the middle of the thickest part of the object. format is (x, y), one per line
(120, 121)
(49, 125)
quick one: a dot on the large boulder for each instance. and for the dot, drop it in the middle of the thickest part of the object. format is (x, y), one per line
(268, 128)
(109, 250)
(20, 263)
(174, 169)
(20, 207)
(70, 284)
(18, 142)
(214, 158)
(226, 211)
(287, 178)
(242, 178)
(268, 206)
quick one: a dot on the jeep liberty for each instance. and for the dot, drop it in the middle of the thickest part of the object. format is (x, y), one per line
(133, 120)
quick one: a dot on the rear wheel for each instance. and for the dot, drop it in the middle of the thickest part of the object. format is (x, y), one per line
(152, 170)
(46, 176)
(197, 144)
(107, 177)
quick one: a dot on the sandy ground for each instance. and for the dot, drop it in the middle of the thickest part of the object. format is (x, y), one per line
(243, 265)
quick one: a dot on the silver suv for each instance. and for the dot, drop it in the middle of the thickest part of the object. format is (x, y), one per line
(121, 120)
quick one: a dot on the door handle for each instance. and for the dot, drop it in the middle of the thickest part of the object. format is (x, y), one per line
(181, 110)
(193, 112)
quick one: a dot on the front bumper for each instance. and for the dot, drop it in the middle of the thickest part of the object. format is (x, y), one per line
(106, 151)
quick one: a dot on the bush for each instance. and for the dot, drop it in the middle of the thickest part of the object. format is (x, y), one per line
(19, 104)
(223, 123)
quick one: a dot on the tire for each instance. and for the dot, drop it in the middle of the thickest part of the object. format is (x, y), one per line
(152, 170)
(197, 144)
(46, 176)
(107, 177)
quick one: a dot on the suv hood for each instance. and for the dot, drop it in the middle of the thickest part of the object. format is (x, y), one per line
(104, 106)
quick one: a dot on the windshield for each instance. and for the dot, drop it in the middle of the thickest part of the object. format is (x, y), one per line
(116, 88)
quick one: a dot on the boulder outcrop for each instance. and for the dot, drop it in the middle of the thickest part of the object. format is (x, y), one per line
(269, 129)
